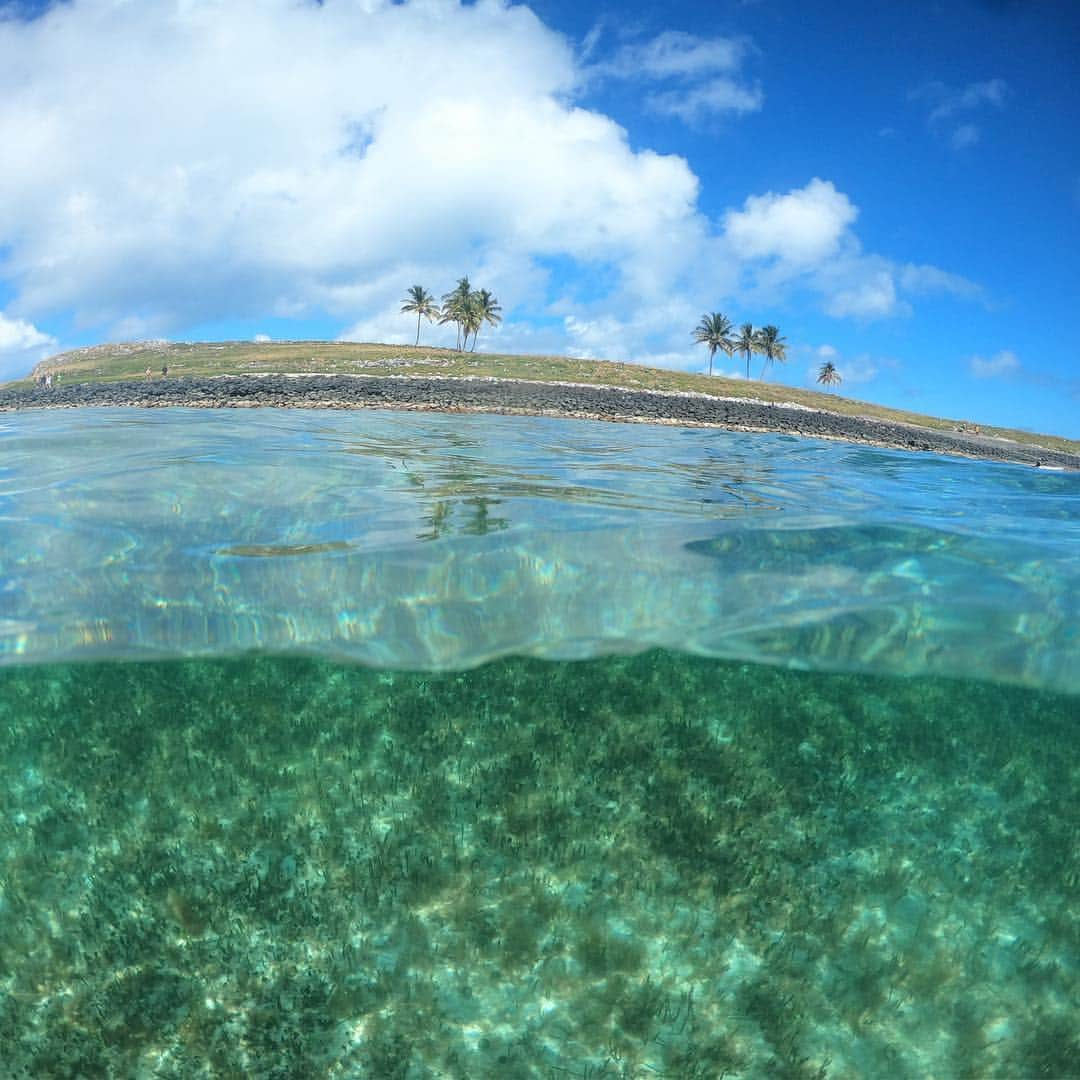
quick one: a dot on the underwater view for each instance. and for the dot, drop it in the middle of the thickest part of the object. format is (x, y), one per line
(400, 745)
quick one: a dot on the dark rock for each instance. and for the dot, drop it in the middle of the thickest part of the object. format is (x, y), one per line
(277, 391)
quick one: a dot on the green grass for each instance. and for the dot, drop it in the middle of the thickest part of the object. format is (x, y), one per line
(109, 363)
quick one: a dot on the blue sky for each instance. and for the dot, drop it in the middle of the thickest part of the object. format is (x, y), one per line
(896, 186)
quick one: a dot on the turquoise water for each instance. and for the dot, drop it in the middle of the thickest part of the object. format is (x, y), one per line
(611, 751)
(420, 541)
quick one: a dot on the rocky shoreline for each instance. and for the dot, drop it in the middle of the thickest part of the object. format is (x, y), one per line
(525, 397)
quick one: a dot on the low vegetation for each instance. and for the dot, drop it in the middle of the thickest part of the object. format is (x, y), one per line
(111, 363)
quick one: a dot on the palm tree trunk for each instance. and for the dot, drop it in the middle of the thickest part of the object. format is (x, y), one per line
(418, 328)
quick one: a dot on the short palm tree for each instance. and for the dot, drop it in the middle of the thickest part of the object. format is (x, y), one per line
(771, 345)
(828, 375)
(747, 342)
(484, 309)
(455, 307)
(715, 330)
(419, 301)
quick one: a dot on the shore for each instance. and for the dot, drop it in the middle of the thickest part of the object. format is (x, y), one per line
(527, 398)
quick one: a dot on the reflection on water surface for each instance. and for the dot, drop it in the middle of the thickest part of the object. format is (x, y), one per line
(427, 541)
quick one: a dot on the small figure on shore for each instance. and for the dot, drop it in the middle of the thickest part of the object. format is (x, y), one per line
(48, 380)
(148, 371)
(164, 370)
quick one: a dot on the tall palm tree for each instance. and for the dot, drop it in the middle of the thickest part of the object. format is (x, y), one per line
(470, 318)
(828, 375)
(715, 330)
(747, 342)
(455, 307)
(420, 301)
(485, 309)
(771, 345)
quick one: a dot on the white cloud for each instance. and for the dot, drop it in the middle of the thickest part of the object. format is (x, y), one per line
(715, 96)
(872, 297)
(279, 158)
(590, 337)
(803, 226)
(964, 136)
(950, 108)
(949, 101)
(859, 369)
(676, 54)
(1001, 364)
(291, 157)
(702, 75)
(921, 280)
(804, 239)
(21, 346)
(855, 370)
(17, 335)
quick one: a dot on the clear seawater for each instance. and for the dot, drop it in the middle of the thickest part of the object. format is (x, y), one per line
(412, 745)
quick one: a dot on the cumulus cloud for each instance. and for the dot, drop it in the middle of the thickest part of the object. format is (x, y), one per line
(21, 346)
(805, 238)
(287, 159)
(801, 227)
(1004, 363)
(291, 157)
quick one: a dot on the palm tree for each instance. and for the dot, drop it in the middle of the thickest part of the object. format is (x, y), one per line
(771, 345)
(828, 375)
(470, 318)
(747, 342)
(715, 331)
(485, 309)
(455, 307)
(420, 301)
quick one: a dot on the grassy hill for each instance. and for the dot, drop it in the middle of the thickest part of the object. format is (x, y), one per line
(109, 363)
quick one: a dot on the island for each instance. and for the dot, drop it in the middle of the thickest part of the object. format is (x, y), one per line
(348, 375)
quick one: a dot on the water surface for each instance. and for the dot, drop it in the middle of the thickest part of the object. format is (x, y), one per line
(803, 805)
(438, 542)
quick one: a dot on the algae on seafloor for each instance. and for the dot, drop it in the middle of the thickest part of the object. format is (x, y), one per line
(620, 867)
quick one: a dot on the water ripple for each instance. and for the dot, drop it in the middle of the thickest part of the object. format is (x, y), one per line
(424, 541)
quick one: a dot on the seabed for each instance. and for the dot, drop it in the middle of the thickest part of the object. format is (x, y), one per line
(628, 867)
